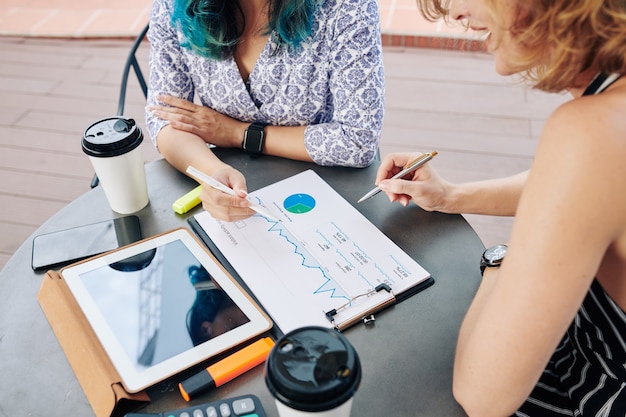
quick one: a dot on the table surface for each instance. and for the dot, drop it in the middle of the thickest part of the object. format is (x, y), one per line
(406, 355)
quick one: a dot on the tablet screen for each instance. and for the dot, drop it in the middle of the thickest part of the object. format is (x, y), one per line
(152, 304)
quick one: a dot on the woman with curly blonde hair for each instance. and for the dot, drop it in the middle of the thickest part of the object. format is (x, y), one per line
(546, 332)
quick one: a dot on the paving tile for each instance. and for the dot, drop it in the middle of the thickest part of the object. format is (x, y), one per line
(9, 115)
(26, 85)
(113, 23)
(62, 23)
(32, 211)
(21, 21)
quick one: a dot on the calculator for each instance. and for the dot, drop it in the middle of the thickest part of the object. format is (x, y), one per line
(242, 406)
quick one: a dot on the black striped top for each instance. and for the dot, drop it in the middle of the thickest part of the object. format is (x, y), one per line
(586, 375)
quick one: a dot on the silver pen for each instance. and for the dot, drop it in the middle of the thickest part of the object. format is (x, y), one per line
(410, 167)
(201, 176)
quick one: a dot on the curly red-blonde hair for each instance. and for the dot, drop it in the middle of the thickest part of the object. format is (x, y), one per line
(559, 38)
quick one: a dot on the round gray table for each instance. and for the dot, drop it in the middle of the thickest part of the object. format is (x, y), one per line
(406, 355)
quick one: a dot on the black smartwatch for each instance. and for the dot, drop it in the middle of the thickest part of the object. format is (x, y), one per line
(254, 138)
(492, 257)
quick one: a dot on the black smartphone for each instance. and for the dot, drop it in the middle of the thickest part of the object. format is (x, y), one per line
(65, 246)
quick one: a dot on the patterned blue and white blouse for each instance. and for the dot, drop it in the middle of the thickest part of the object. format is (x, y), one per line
(333, 84)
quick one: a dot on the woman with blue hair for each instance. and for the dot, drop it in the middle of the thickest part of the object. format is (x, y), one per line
(299, 79)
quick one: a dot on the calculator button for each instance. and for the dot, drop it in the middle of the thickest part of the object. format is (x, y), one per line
(225, 410)
(243, 406)
(240, 406)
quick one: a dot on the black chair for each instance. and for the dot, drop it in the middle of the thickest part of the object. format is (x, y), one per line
(131, 63)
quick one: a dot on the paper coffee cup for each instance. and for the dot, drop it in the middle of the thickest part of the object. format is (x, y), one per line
(112, 145)
(313, 372)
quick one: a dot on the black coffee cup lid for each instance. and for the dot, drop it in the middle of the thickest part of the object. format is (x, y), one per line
(313, 369)
(111, 137)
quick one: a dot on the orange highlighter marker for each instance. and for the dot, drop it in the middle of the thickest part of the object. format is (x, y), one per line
(227, 369)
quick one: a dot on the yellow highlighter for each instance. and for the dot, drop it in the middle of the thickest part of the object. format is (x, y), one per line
(188, 201)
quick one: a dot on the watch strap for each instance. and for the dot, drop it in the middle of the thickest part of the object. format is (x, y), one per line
(254, 138)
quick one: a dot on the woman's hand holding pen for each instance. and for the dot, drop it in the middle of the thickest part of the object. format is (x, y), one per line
(424, 186)
(212, 126)
(224, 206)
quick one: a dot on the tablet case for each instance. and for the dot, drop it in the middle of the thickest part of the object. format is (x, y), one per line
(95, 372)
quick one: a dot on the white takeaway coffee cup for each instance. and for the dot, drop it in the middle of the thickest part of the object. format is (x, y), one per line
(112, 145)
(313, 372)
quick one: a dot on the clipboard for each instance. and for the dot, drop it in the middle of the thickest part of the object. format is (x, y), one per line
(323, 215)
(349, 313)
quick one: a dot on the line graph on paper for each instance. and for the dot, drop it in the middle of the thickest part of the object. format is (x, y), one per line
(313, 276)
(321, 247)
(320, 255)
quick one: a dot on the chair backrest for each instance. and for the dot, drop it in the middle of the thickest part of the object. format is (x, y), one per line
(131, 62)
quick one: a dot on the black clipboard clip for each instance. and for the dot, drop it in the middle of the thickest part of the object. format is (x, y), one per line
(369, 318)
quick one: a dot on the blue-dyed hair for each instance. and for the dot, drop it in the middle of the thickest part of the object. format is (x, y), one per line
(211, 28)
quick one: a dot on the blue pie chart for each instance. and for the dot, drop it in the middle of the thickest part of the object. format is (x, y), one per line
(299, 203)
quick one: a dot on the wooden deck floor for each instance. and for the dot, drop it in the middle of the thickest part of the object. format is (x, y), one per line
(51, 90)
